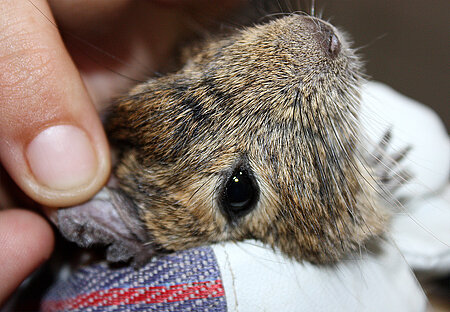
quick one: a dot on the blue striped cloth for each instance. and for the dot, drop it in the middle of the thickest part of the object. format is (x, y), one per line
(184, 281)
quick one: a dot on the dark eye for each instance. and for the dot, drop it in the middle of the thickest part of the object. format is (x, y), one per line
(239, 194)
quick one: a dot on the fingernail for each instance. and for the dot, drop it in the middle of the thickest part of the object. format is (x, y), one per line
(62, 158)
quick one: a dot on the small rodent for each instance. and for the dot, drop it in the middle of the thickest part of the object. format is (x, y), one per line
(256, 137)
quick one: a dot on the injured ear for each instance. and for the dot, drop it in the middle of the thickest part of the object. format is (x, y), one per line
(111, 219)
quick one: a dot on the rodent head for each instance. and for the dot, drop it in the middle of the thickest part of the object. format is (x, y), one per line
(255, 137)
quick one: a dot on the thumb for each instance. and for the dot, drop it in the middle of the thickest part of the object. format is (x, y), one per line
(51, 140)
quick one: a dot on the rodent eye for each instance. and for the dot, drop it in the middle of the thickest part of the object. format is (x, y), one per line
(239, 194)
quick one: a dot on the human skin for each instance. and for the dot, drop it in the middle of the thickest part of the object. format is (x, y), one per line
(52, 142)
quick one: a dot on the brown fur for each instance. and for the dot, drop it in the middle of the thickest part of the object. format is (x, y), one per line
(274, 99)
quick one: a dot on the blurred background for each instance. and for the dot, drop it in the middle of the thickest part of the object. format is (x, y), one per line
(406, 44)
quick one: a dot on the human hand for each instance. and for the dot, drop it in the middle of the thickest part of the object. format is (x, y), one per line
(26, 241)
(52, 143)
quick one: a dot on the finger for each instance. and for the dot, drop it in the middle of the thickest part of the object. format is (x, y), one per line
(26, 241)
(51, 140)
(12, 196)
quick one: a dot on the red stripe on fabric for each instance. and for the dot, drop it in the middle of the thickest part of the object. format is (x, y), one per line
(146, 295)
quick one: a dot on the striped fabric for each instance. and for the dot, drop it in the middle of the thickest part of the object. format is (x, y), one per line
(185, 281)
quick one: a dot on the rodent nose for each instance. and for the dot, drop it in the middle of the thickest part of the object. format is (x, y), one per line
(330, 41)
(327, 38)
(334, 45)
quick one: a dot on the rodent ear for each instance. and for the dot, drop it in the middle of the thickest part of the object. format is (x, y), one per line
(125, 119)
(110, 218)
